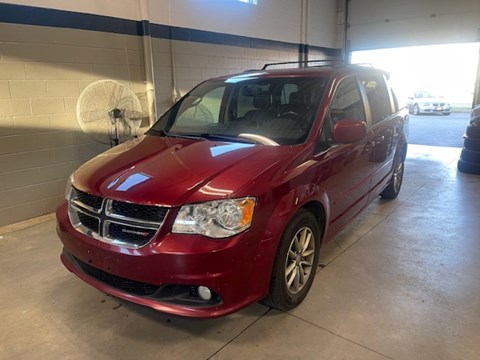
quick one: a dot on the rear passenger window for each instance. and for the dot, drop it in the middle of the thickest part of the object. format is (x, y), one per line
(378, 97)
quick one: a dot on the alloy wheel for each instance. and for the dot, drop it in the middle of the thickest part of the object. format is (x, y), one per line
(299, 261)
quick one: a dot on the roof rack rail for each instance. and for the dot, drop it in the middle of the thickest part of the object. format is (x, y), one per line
(323, 62)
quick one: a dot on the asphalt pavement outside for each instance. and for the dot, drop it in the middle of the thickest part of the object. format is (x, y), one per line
(438, 130)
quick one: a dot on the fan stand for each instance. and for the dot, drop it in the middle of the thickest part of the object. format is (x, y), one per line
(116, 115)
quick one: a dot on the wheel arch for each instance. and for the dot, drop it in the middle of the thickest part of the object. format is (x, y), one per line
(403, 150)
(318, 211)
(316, 202)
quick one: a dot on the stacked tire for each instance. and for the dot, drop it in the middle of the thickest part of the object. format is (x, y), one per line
(470, 157)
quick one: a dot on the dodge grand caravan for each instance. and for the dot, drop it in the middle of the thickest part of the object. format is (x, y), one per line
(230, 195)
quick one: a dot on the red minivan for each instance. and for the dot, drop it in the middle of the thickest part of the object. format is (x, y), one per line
(230, 195)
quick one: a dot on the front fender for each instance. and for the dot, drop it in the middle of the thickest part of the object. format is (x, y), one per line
(309, 196)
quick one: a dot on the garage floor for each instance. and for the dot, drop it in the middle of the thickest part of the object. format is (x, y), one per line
(402, 282)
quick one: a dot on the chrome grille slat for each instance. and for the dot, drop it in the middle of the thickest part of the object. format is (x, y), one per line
(105, 219)
(88, 201)
(114, 213)
(80, 205)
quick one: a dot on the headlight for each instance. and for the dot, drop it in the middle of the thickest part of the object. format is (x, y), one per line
(68, 187)
(215, 219)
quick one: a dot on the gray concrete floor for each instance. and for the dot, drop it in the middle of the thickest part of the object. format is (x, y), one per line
(401, 282)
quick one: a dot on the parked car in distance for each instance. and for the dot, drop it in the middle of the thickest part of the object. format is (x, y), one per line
(427, 102)
(230, 195)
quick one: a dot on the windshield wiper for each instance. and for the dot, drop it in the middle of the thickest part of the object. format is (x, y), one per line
(207, 136)
(157, 132)
(229, 138)
(163, 133)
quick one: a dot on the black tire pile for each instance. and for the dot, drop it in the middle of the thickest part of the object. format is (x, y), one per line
(470, 157)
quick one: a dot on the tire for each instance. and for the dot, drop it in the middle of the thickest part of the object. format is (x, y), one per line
(446, 113)
(295, 263)
(468, 168)
(416, 110)
(473, 131)
(393, 188)
(471, 143)
(470, 156)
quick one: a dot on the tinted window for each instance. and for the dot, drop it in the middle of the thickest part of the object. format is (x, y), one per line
(378, 97)
(347, 104)
(201, 110)
(281, 110)
(287, 89)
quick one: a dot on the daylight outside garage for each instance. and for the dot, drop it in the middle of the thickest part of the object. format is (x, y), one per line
(441, 78)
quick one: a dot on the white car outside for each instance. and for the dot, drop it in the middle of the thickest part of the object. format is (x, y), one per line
(425, 102)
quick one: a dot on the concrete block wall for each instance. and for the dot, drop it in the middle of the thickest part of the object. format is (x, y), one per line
(50, 51)
(43, 70)
(195, 62)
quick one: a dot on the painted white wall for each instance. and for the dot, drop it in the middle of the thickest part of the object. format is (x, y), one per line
(124, 9)
(270, 19)
(392, 23)
(322, 23)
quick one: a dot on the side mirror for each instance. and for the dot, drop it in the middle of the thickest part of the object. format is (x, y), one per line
(349, 131)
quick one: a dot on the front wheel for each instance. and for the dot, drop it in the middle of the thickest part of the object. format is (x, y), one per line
(416, 110)
(393, 188)
(295, 263)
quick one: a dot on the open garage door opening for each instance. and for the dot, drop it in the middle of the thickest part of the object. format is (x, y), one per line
(436, 82)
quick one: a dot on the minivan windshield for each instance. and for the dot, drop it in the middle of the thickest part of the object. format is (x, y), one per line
(270, 111)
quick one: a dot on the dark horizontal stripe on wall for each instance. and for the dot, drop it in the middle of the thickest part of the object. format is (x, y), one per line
(30, 15)
(210, 37)
(320, 50)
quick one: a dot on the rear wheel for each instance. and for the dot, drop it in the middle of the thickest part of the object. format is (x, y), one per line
(393, 188)
(295, 263)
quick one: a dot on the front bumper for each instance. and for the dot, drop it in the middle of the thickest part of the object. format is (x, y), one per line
(237, 270)
(431, 109)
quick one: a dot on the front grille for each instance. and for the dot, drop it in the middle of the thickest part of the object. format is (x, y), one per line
(87, 199)
(115, 222)
(89, 222)
(143, 212)
(130, 234)
(127, 285)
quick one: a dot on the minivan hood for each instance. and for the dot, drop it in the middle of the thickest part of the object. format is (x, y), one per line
(173, 171)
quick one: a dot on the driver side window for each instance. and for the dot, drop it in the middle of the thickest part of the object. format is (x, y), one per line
(347, 104)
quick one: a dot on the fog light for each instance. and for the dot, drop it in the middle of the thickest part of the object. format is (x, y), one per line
(204, 293)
